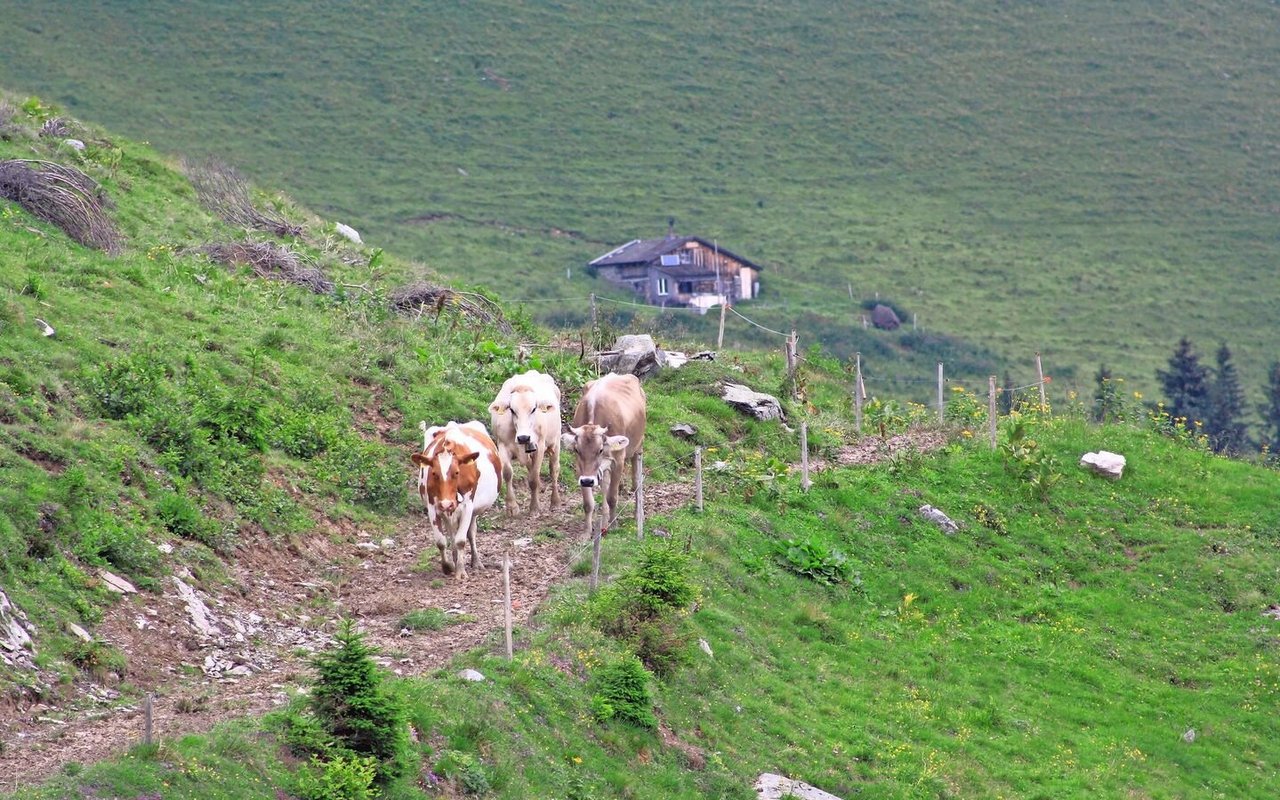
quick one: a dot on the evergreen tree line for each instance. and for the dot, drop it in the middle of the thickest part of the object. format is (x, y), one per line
(1208, 400)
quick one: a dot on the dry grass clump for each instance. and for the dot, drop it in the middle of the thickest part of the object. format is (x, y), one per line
(223, 191)
(270, 261)
(420, 298)
(64, 196)
(55, 127)
(9, 127)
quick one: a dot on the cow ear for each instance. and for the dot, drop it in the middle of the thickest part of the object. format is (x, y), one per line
(618, 442)
(497, 409)
(420, 459)
(469, 457)
(568, 441)
(548, 408)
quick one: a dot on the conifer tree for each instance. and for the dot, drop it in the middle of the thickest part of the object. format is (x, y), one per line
(350, 700)
(1186, 385)
(1270, 410)
(1226, 429)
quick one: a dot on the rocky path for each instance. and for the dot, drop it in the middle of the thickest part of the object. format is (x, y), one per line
(278, 606)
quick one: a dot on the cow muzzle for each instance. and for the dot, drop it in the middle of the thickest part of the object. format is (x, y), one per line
(587, 481)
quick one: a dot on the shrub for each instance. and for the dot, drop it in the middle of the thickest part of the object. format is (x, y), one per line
(425, 619)
(105, 540)
(621, 691)
(179, 515)
(340, 778)
(814, 558)
(98, 659)
(351, 702)
(645, 607)
(367, 473)
(128, 386)
(304, 433)
(465, 770)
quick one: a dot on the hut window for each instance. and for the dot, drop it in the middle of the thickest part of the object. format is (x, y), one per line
(685, 287)
(662, 286)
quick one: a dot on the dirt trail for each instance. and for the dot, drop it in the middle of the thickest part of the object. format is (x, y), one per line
(280, 605)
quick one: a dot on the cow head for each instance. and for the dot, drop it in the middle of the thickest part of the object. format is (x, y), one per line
(448, 472)
(524, 406)
(595, 451)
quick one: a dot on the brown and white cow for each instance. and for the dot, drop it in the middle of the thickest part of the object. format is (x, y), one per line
(525, 420)
(607, 431)
(458, 479)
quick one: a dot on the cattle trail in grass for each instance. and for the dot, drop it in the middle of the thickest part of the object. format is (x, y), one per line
(378, 589)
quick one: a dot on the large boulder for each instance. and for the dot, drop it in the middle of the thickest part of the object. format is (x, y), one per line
(1108, 465)
(757, 404)
(770, 786)
(633, 354)
(884, 317)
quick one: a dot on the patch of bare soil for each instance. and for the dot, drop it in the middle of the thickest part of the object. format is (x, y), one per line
(278, 607)
(875, 449)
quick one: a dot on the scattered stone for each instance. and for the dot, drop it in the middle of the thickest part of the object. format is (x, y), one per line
(1108, 465)
(81, 633)
(471, 675)
(762, 406)
(523, 541)
(74, 144)
(938, 518)
(116, 584)
(368, 547)
(774, 787)
(684, 430)
(347, 232)
(1189, 736)
(1272, 611)
(885, 318)
(706, 648)
(387, 544)
(201, 617)
(45, 328)
(17, 647)
(165, 547)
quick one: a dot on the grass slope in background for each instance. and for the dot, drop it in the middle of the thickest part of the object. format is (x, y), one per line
(1091, 183)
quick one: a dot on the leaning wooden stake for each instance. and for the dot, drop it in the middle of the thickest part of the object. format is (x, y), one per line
(146, 718)
(991, 410)
(639, 496)
(1040, 381)
(595, 550)
(858, 395)
(724, 308)
(941, 406)
(697, 476)
(805, 483)
(506, 601)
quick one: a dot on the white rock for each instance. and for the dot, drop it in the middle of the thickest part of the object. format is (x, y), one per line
(45, 328)
(348, 232)
(774, 787)
(387, 544)
(523, 541)
(762, 406)
(706, 648)
(368, 547)
(116, 584)
(1189, 736)
(1108, 465)
(74, 144)
(201, 617)
(165, 547)
(470, 675)
(938, 518)
(80, 632)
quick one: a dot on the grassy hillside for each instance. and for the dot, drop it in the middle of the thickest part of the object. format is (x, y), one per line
(1090, 182)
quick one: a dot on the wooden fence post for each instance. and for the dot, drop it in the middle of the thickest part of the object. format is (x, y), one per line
(146, 718)
(1040, 380)
(724, 308)
(805, 483)
(991, 410)
(941, 405)
(595, 551)
(639, 482)
(697, 476)
(506, 600)
(858, 394)
(793, 359)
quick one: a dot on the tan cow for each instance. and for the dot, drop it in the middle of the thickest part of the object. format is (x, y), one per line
(607, 431)
(458, 479)
(525, 419)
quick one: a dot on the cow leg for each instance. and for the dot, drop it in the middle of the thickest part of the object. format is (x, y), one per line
(446, 566)
(535, 465)
(611, 495)
(466, 531)
(508, 472)
(553, 472)
(472, 536)
(589, 506)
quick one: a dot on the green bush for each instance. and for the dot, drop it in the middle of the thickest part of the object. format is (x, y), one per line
(645, 607)
(816, 559)
(128, 386)
(367, 473)
(104, 539)
(620, 690)
(97, 658)
(465, 770)
(340, 778)
(425, 619)
(302, 432)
